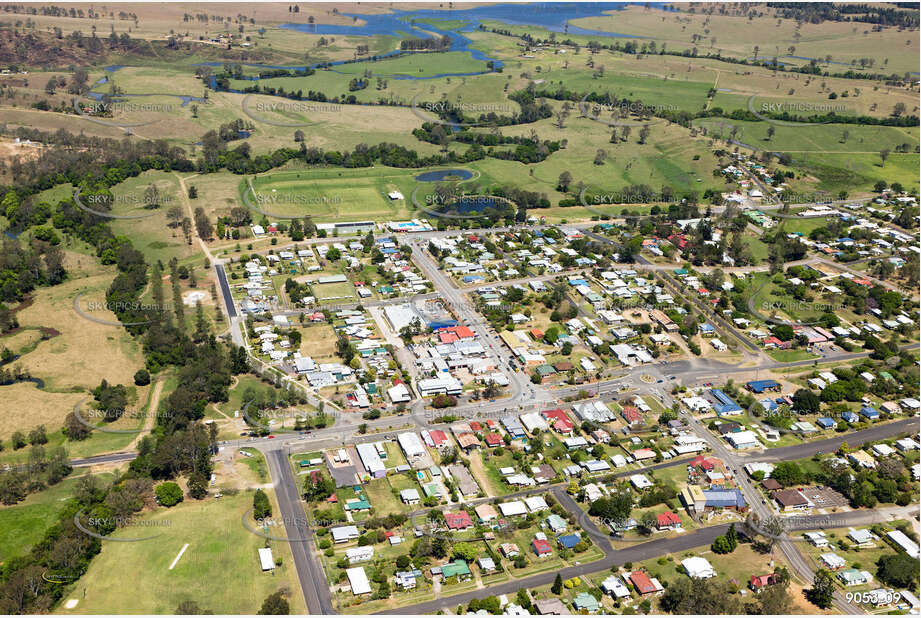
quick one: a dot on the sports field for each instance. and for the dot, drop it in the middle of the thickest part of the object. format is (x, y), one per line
(219, 570)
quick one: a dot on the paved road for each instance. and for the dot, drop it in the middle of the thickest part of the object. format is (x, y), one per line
(225, 291)
(309, 573)
(830, 445)
(103, 459)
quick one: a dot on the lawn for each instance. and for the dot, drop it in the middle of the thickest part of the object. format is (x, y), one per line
(23, 525)
(220, 550)
(789, 356)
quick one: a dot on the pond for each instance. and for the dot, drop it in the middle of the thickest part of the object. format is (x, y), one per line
(442, 175)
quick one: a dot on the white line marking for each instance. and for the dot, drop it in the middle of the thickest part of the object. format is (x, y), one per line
(178, 556)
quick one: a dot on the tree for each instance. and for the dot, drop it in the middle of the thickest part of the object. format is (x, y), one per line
(19, 440)
(38, 436)
(775, 600)
(74, 428)
(707, 597)
(198, 486)
(564, 181)
(191, 608)
(898, 570)
(168, 494)
(557, 586)
(823, 589)
(465, 551)
(142, 377)
(721, 545)
(275, 605)
(883, 155)
(788, 473)
(262, 508)
(806, 402)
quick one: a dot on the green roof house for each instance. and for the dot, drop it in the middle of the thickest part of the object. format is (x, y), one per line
(458, 569)
(585, 601)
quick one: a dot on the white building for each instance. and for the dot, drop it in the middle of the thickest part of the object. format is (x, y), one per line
(358, 581)
(698, 568)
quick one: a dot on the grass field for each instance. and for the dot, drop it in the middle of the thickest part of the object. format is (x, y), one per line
(333, 194)
(24, 524)
(220, 549)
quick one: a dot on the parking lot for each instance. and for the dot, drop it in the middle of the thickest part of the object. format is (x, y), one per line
(825, 497)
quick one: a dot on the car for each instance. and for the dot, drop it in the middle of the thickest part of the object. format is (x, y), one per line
(658, 381)
(271, 437)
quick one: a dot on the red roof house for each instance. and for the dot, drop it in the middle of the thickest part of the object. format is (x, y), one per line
(757, 582)
(642, 583)
(438, 437)
(632, 415)
(458, 521)
(475, 426)
(541, 548)
(493, 440)
(668, 521)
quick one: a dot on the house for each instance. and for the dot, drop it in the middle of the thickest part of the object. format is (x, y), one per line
(459, 521)
(568, 541)
(358, 581)
(869, 412)
(759, 386)
(757, 583)
(493, 440)
(410, 496)
(509, 550)
(743, 440)
(556, 523)
(541, 548)
(584, 602)
(640, 481)
(645, 585)
(344, 534)
(862, 458)
(406, 580)
(862, 537)
(486, 512)
(458, 569)
(853, 577)
(668, 521)
(698, 568)
(790, 500)
(882, 450)
(615, 587)
(536, 504)
(833, 561)
(513, 508)
(486, 564)
(550, 607)
(359, 554)
(817, 539)
(904, 543)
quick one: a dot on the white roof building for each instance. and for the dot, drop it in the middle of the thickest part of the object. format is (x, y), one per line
(265, 559)
(358, 581)
(698, 568)
(411, 445)
(510, 509)
(343, 534)
(359, 554)
(536, 504)
(640, 481)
